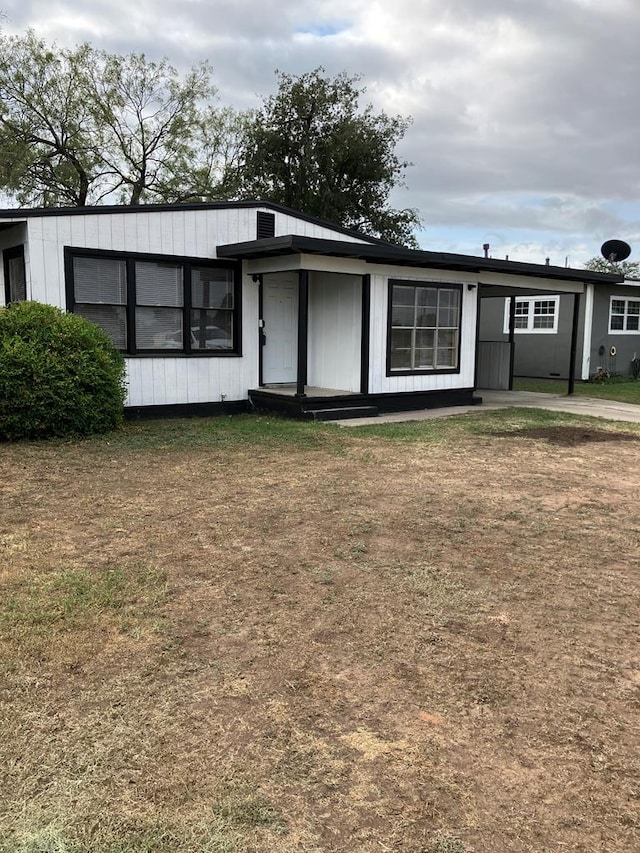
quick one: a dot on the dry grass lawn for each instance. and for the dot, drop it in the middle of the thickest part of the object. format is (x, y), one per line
(250, 635)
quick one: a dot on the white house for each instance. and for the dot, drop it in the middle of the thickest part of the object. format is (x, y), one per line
(221, 306)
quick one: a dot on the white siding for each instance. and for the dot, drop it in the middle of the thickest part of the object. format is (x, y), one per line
(335, 322)
(185, 233)
(379, 382)
(157, 381)
(292, 225)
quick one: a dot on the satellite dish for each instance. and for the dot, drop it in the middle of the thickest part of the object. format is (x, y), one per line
(615, 250)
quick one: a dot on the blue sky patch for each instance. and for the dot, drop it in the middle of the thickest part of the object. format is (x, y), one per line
(323, 29)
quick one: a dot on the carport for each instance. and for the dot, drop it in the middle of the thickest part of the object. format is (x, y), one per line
(495, 359)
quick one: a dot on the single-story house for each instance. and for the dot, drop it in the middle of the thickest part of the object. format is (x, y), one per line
(608, 330)
(222, 306)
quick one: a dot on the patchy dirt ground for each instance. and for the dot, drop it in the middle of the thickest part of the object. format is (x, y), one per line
(340, 643)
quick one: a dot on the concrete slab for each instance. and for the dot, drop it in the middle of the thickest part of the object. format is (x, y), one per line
(590, 406)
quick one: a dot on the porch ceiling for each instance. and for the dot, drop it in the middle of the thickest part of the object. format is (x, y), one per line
(294, 244)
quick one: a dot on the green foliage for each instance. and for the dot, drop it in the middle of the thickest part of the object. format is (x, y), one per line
(46, 155)
(629, 269)
(60, 375)
(311, 148)
(624, 389)
(78, 126)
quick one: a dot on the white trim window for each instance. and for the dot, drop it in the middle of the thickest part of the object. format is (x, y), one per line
(537, 315)
(624, 316)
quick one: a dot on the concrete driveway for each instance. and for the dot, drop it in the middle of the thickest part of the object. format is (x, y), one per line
(590, 406)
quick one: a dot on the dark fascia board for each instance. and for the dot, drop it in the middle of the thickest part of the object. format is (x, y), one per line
(385, 253)
(28, 212)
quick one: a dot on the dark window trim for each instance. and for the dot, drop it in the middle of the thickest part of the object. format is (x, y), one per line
(438, 285)
(187, 263)
(11, 254)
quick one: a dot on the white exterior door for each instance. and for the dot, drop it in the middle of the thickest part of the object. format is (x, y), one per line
(280, 315)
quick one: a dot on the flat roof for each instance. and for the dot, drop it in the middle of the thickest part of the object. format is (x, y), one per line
(386, 253)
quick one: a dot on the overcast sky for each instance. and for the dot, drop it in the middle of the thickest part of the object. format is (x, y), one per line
(526, 127)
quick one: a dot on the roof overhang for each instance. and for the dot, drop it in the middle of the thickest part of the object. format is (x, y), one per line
(387, 254)
(4, 225)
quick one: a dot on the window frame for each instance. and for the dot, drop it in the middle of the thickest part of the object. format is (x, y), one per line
(625, 316)
(431, 285)
(11, 254)
(187, 264)
(531, 303)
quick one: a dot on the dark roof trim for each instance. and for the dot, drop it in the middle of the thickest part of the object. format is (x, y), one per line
(385, 253)
(27, 212)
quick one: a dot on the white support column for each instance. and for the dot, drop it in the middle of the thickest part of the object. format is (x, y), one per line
(588, 327)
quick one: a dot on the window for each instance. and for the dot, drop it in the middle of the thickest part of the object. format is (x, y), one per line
(424, 328)
(15, 278)
(152, 305)
(624, 315)
(534, 315)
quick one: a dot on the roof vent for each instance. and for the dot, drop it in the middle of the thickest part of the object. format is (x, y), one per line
(265, 225)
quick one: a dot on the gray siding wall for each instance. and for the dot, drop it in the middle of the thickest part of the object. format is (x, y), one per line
(627, 344)
(539, 355)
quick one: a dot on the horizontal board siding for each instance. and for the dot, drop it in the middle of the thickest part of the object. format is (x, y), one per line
(379, 382)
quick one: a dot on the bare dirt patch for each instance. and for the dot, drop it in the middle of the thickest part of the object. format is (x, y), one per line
(568, 436)
(346, 644)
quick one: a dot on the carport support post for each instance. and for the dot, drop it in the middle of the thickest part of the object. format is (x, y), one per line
(574, 343)
(303, 313)
(512, 340)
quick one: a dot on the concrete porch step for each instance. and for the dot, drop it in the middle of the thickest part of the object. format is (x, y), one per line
(342, 413)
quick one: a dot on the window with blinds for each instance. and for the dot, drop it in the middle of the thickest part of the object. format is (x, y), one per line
(150, 305)
(101, 295)
(159, 291)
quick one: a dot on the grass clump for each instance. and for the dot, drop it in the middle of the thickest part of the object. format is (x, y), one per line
(45, 606)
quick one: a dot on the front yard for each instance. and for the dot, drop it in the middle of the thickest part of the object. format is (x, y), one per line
(250, 634)
(624, 389)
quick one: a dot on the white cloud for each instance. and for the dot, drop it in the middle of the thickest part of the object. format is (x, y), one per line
(524, 113)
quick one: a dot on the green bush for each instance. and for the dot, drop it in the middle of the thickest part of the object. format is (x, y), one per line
(60, 375)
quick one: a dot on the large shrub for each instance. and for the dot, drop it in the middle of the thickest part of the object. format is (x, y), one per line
(60, 375)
